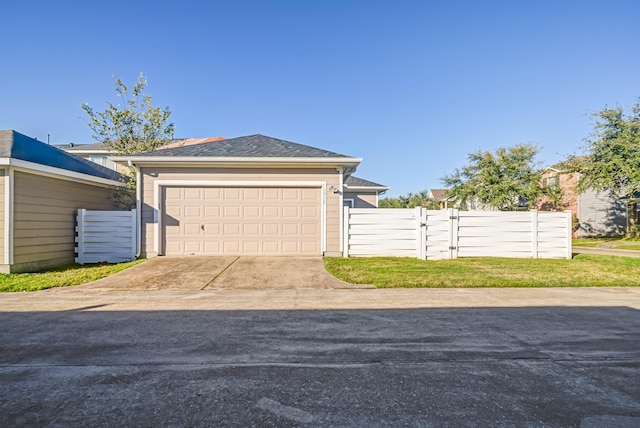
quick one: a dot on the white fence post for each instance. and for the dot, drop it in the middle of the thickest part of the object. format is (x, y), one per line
(134, 234)
(345, 232)
(534, 234)
(80, 238)
(454, 218)
(569, 215)
(421, 233)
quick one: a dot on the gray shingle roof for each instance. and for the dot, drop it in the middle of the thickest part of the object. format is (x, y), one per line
(352, 181)
(17, 146)
(250, 146)
(83, 147)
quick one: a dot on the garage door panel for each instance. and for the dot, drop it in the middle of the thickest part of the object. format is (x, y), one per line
(193, 211)
(231, 194)
(310, 229)
(251, 194)
(212, 247)
(290, 229)
(271, 247)
(251, 211)
(191, 193)
(193, 247)
(290, 211)
(251, 247)
(213, 193)
(231, 211)
(270, 229)
(231, 229)
(211, 229)
(211, 211)
(270, 212)
(309, 194)
(251, 229)
(191, 229)
(237, 221)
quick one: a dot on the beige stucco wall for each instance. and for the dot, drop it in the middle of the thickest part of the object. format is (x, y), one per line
(44, 218)
(326, 175)
(362, 199)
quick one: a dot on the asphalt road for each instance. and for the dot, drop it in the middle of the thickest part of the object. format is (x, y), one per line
(439, 358)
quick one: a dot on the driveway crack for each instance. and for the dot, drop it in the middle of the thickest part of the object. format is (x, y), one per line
(219, 273)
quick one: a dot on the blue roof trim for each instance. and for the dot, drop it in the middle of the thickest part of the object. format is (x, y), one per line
(18, 146)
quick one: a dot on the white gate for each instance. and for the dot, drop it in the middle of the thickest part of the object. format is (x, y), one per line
(451, 233)
(105, 236)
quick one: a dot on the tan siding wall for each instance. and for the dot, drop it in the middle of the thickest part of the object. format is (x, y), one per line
(44, 217)
(329, 175)
(362, 199)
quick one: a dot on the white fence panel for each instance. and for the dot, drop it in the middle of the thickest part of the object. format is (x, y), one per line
(448, 234)
(496, 234)
(105, 236)
(381, 232)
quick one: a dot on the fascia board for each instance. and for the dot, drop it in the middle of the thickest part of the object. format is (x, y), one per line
(235, 161)
(365, 188)
(46, 170)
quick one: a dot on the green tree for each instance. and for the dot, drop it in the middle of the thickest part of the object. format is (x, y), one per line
(612, 158)
(411, 200)
(136, 126)
(507, 180)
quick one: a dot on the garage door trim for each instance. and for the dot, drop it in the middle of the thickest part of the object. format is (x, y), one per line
(160, 184)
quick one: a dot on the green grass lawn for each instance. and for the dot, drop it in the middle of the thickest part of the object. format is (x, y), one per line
(617, 243)
(60, 277)
(582, 271)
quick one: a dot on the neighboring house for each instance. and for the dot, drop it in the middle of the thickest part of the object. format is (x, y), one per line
(599, 214)
(100, 153)
(42, 188)
(440, 196)
(360, 193)
(96, 152)
(252, 195)
(190, 142)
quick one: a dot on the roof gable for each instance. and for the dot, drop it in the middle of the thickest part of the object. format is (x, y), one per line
(18, 146)
(251, 146)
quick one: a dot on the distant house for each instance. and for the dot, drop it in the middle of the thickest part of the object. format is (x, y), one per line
(100, 152)
(41, 190)
(599, 214)
(440, 196)
(360, 193)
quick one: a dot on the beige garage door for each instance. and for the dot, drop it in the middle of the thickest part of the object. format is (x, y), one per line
(242, 221)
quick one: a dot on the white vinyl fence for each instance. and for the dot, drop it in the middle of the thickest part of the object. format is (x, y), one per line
(451, 233)
(105, 236)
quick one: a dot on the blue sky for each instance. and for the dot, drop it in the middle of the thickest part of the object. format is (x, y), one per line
(410, 86)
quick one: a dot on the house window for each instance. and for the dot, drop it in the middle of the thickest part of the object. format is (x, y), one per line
(104, 161)
(348, 203)
(550, 182)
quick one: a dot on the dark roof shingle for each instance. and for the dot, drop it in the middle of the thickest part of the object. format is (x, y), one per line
(352, 181)
(250, 146)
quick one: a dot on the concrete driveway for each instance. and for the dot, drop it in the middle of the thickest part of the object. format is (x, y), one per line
(202, 273)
